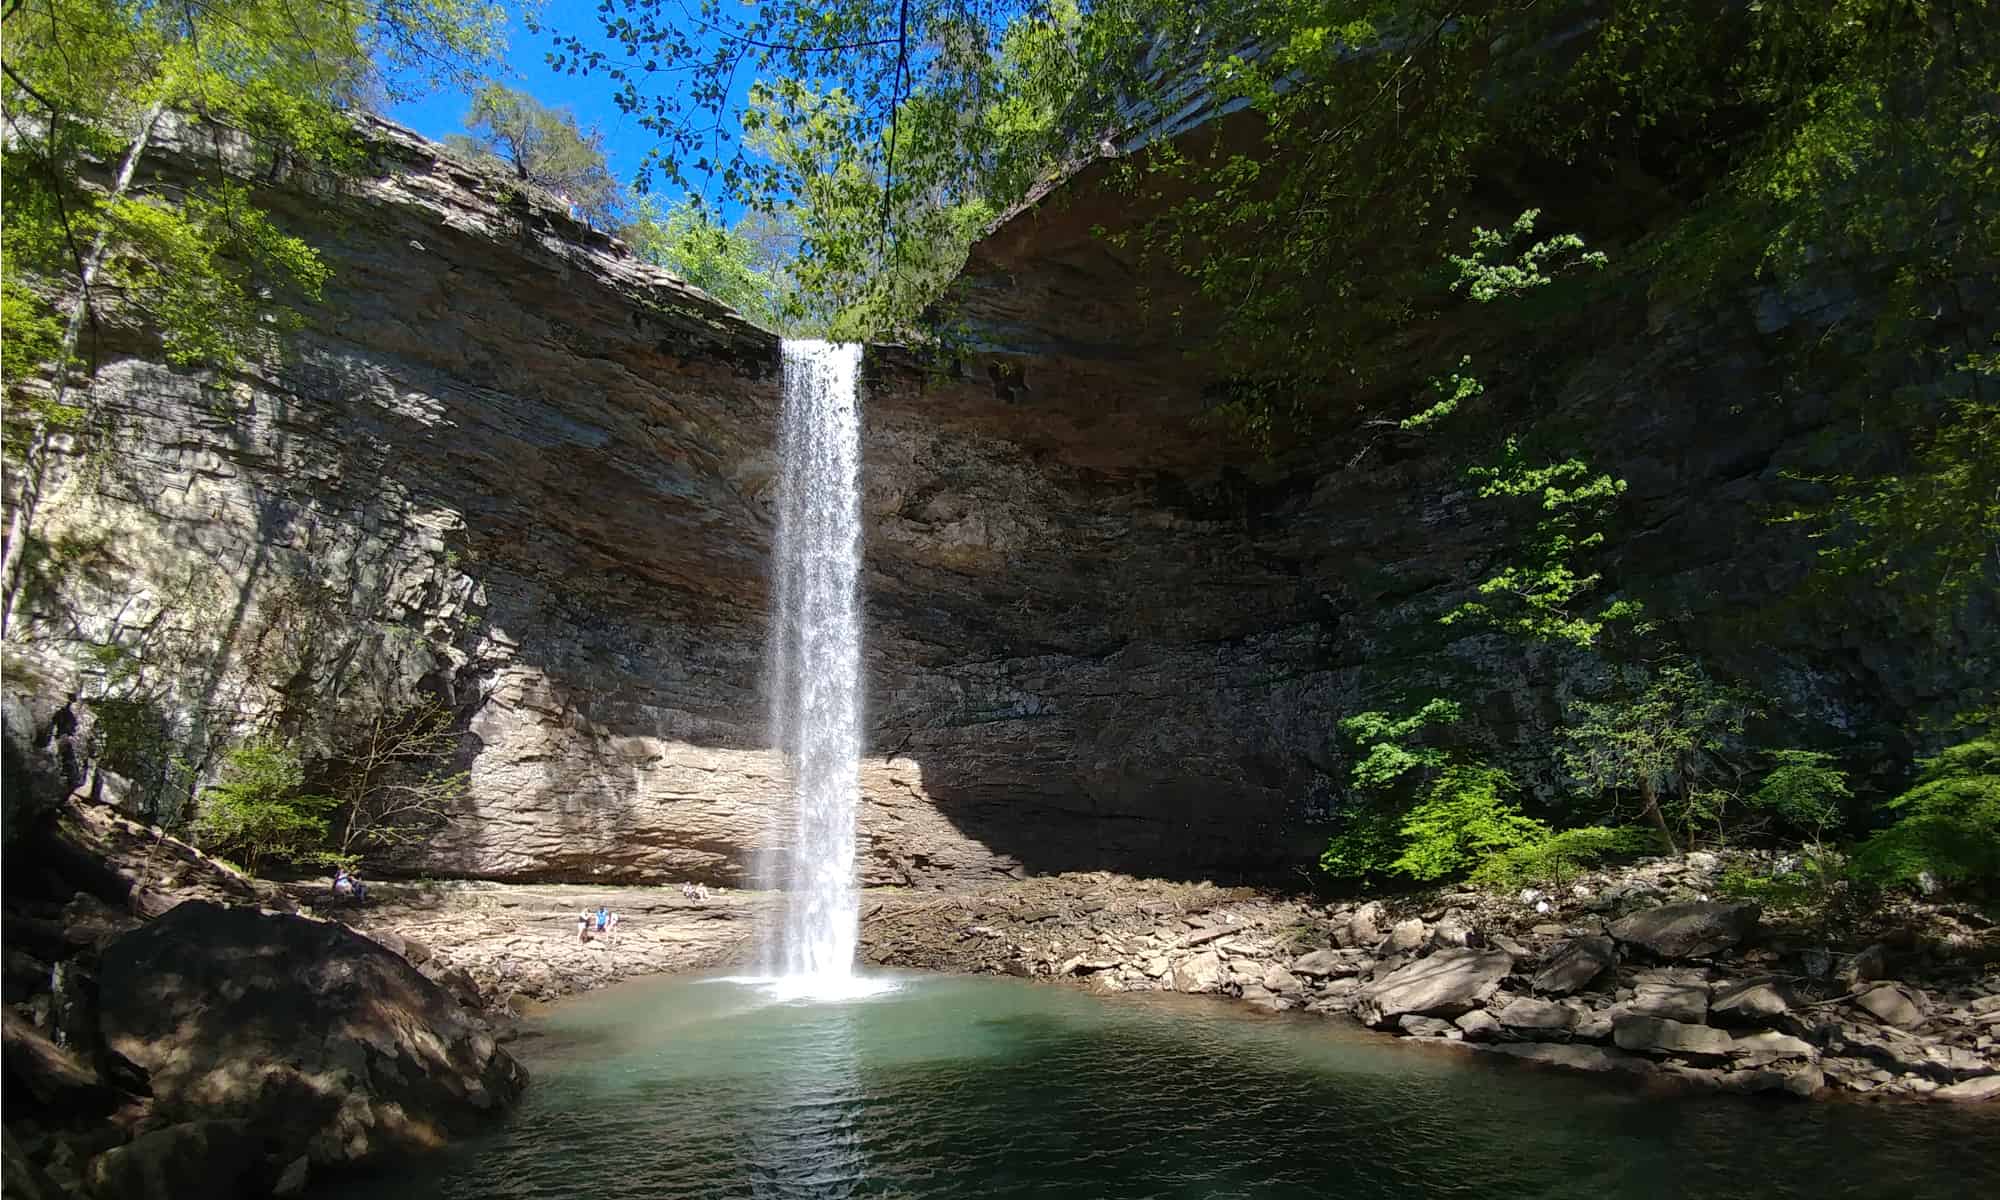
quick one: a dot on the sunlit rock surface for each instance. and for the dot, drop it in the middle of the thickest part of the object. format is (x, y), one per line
(510, 462)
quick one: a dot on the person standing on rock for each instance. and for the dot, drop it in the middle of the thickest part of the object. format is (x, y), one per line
(583, 926)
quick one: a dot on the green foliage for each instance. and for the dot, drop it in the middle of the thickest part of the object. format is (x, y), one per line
(1463, 820)
(259, 810)
(877, 142)
(1389, 756)
(203, 268)
(86, 80)
(33, 341)
(1805, 790)
(1810, 881)
(546, 147)
(726, 263)
(1560, 856)
(1948, 824)
(1461, 816)
(1370, 839)
(1544, 598)
(1657, 740)
(1484, 275)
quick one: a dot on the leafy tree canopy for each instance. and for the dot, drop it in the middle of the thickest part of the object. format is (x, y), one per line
(546, 147)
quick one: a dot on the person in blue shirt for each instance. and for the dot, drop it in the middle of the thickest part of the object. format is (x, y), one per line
(603, 919)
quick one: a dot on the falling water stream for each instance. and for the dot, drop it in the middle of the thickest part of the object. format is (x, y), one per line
(815, 662)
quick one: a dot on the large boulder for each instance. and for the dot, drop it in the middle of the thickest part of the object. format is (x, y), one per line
(44, 1073)
(1443, 985)
(331, 1044)
(1576, 964)
(1697, 927)
(37, 762)
(195, 1158)
(20, 1178)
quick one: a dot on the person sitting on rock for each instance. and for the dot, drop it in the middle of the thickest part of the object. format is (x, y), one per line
(343, 883)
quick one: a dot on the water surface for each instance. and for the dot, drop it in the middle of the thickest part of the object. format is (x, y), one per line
(949, 1086)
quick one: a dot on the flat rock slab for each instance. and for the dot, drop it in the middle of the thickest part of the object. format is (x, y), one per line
(1658, 1035)
(1572, 1056)
(1750, 1002)
(1986, 1087)
(1576, 964)
(1896, 1004)
(1444, 985)
(1527, 1013)
(1683, 1002)
(1694, 928)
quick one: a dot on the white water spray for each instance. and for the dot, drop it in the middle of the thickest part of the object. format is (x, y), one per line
(816, 660)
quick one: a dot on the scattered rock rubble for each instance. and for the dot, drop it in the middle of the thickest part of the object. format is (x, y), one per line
(1636, 971)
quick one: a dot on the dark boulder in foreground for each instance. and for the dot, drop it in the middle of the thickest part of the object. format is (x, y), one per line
(1695, 928)
(325, 1041)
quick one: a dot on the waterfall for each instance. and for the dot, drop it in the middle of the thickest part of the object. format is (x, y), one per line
(815, 657)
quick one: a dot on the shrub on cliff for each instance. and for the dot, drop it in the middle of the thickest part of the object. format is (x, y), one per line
(1949, 827)
(260, 810)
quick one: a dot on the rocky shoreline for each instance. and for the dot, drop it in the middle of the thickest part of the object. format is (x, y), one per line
(1637, 971)
(119, 1025)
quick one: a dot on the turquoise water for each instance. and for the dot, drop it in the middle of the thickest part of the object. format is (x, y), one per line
(950, 1086)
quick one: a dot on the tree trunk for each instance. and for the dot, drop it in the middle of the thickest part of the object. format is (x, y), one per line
(1651, 799)
(31, 465)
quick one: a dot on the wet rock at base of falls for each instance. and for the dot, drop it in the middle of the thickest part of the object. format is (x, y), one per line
(1282, 982)
(331, 1044)
(1576, 964)
(1416, 1026)
(1445, 984)
(1690, 929)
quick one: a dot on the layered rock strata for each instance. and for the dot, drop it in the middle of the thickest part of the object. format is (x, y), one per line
(508, 464)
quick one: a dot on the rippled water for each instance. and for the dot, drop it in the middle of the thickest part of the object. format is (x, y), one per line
(950, 1086)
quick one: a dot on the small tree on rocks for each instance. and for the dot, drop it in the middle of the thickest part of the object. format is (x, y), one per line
(393, 783)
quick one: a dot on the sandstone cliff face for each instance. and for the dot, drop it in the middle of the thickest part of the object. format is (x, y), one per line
(508, 462)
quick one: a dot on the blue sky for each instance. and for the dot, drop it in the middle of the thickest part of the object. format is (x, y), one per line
(587, 96)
